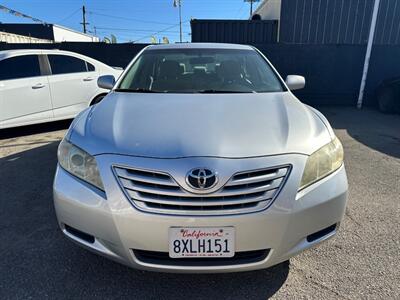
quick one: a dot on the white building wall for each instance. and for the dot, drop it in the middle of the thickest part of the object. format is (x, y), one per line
(62, 34)
(269, 10)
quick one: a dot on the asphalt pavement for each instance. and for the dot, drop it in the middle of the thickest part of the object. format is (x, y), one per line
(362, 261)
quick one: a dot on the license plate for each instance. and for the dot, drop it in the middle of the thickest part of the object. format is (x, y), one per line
(201, 242)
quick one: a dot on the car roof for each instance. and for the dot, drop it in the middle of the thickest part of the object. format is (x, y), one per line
(200, 46)
(9, 53)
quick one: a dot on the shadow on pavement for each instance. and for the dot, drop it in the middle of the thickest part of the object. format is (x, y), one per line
(372, 128)
(33, 129)
(37, 261)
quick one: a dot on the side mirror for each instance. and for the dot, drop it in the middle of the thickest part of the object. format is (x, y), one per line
(106, 82)
(295, 82)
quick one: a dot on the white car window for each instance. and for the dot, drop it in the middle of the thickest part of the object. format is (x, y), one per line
(20, 67)
(201, 71)
(90, 67)
(63, 64)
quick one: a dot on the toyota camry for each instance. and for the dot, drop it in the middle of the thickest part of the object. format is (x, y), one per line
(200, 159)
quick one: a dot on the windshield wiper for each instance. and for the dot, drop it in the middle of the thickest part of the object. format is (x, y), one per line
(223, 92)
(138, 90)
(142, 90)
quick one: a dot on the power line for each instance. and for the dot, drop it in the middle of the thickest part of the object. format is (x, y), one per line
(69, 16)
(134, 36)
(251, 5)
(134, 30)
(239, 10)
(160, 31)
(128, 19)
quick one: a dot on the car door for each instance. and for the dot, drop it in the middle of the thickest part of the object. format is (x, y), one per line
(25, 92)
(73, 83)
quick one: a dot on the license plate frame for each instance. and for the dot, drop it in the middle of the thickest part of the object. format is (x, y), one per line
(201, 242)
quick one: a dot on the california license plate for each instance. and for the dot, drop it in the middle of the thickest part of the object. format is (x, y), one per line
(185, 242)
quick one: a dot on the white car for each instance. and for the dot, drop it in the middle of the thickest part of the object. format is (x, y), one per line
(38, 86)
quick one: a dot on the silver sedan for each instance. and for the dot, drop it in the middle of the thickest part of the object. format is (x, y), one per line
(200, 159)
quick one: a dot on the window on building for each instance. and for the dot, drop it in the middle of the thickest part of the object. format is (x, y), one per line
(19, 67)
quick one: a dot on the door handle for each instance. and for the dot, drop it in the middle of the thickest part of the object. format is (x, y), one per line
(88, 79)
(38, 86)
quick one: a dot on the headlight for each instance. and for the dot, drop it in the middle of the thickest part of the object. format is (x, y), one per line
(79, 163)
(322, 162)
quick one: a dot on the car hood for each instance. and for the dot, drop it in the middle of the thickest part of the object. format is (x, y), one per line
(187, 125)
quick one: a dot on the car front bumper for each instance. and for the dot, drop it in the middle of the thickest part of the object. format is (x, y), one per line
(118, 228)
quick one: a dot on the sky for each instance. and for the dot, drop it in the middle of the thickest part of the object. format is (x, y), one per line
(128, 20)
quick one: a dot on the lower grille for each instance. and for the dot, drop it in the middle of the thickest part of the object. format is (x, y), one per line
(319, 234)
(80, 234)
(162, 258)
(244, 192)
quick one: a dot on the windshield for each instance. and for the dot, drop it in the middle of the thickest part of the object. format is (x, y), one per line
(200, 71)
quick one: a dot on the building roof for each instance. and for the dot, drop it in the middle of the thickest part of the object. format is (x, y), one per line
(15, 52)
(40, 31)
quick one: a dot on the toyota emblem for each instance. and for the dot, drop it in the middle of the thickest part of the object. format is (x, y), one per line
(201, 178)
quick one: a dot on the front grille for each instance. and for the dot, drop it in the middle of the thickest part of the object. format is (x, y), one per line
(158, 192)
(162, 258)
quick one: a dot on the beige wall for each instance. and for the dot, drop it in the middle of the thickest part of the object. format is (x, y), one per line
(16, 38)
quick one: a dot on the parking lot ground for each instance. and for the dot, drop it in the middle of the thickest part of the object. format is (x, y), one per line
(362, 261)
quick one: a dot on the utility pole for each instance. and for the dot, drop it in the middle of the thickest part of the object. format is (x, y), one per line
(251, 5)
(180, 21)
(177, 3)
(368, 53)
(84, 23)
